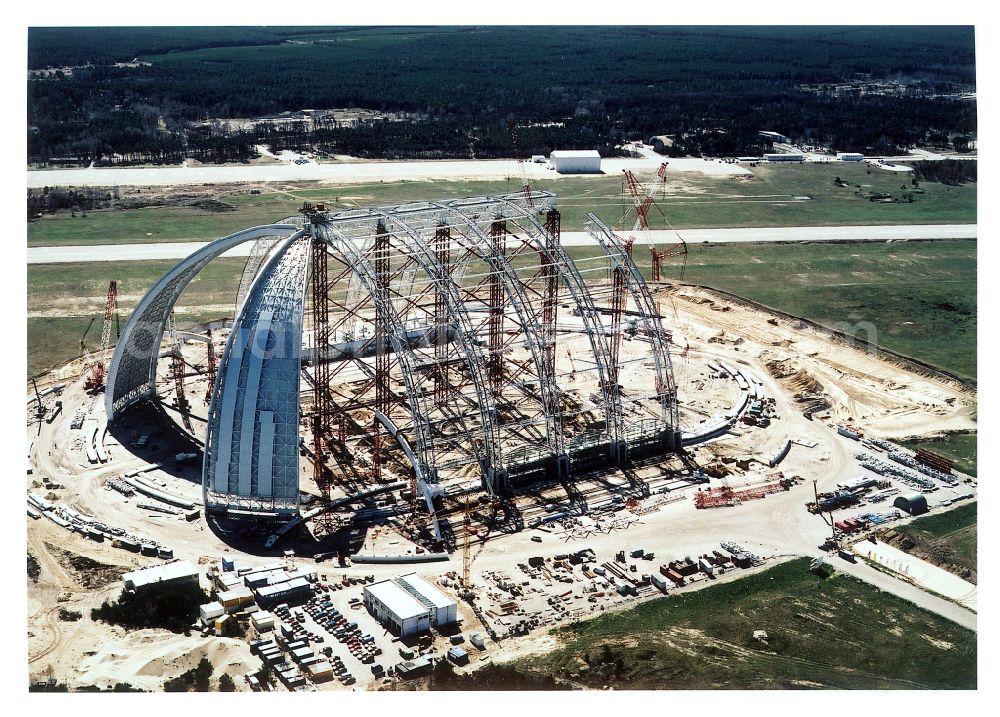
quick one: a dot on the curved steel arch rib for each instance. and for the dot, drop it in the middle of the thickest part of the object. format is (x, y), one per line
(492, 463)
(132, 375)
(480, 244)
(666, 388)
(252, 440)
(345, 247)
(572, 279)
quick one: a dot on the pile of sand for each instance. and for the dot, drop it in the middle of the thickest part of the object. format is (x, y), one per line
(147, 658)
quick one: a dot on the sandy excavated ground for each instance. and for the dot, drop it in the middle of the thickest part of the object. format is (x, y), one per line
(88, 653)
(877, 392)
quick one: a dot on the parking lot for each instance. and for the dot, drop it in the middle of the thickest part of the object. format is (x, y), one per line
(334, 625)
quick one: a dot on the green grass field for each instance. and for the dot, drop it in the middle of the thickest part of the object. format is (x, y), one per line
(77, 292)
(692, 200)
(950, 536)
(819, 635)
(960, 448)
(53, 285)
(920, 296)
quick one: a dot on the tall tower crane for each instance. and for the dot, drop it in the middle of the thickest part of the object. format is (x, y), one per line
(213, 367)
(525, 186)
(177, 371)
(644, 199)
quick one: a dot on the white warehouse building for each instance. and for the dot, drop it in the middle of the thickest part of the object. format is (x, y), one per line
(444, 610)
(395, 608)
(576, 161)
(409, 604)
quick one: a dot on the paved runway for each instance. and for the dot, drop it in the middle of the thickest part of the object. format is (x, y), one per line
(179, 250)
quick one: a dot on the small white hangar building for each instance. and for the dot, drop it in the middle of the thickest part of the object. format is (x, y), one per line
(576, 161)
(409, 604)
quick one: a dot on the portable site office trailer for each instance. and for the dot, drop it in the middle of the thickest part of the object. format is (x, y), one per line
(659, 581)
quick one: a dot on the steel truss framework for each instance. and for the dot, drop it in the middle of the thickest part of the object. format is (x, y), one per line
(252, 441)
(445, 322)
(659, 338)
(465, 324)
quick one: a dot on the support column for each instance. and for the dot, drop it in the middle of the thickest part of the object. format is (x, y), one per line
(442, 247)
(381, 264)
(550, 304)
(322, 400)
(498, 234)
(550, 309)
(619, 298)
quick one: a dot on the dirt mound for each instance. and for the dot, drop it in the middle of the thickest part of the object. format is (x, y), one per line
(89, 573)
(797, 379)
(805, 383)
(213, 205)
(780, 368)
(148, 657)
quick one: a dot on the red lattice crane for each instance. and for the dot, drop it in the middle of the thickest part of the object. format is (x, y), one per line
(98, 371)
(643, 198)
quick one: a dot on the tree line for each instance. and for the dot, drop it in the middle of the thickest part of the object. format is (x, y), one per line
(579, 87)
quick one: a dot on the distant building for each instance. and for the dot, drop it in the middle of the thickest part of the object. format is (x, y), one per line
(209, 611)
(914, 503)
(413, 668)
(396, 609)
(236, 598)
(773, 136)
(458, 656)
(444, 610)
(661, 142)
(784, 157)
(850, 156)
(177, 573)
(288, 590)
(576, 161)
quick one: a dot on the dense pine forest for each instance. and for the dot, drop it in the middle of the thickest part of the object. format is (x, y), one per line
(878, 90)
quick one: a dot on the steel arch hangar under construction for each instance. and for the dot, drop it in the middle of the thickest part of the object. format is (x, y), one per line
(439, 345)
